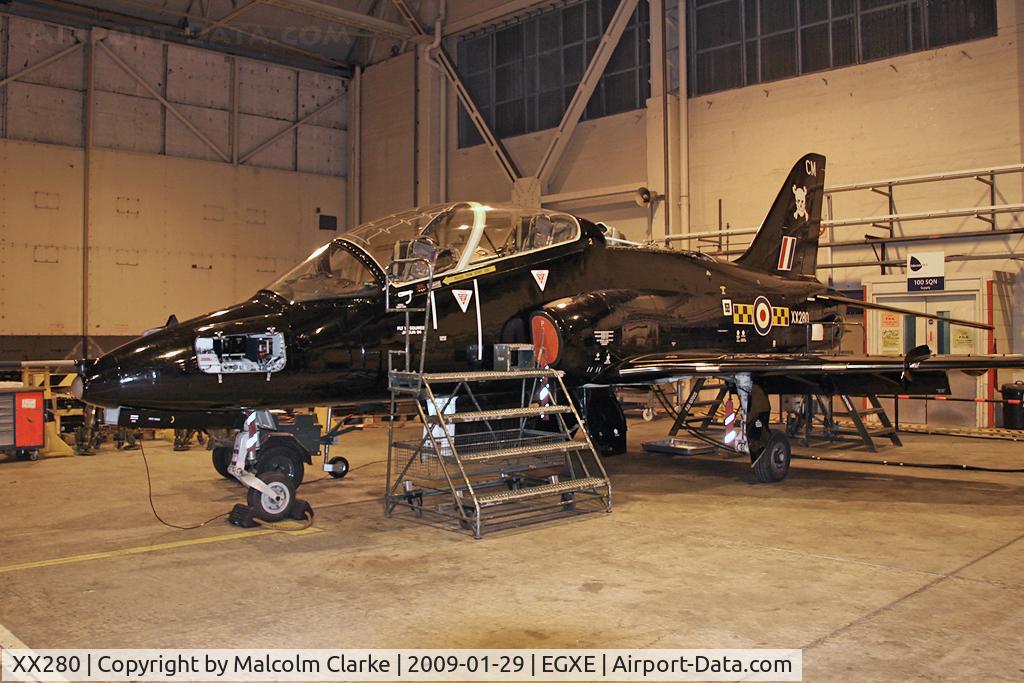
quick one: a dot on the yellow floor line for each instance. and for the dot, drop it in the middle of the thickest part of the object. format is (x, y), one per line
(152, 548)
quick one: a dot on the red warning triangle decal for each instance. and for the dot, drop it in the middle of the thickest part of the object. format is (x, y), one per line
(541, 277)
(463, 297)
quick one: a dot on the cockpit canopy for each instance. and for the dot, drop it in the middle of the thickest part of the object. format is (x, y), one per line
(452, 237)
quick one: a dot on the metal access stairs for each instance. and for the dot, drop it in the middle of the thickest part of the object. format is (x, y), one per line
(496, 467)
(818, 419)
(686, 419)
(860, 428)
(508, 463)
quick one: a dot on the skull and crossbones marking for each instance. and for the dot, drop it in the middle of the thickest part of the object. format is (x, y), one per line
(800, 196)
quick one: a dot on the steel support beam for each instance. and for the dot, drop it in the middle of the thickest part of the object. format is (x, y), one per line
(443, 62)
(5, 70)
(235, 116)
(594, 193)
(357, 20)
(584, 90)
(500, 12)
(683, 164)
(72, 14)
(355, 174)
(89, 104)
(280, 134)
(230, 16)
(164, 101)
(42, 64)
(371, 10)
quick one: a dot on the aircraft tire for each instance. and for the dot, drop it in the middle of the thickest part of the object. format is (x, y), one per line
(272, 509)
(344, 462)
(221, 457)
(284, 460)
(773, 463)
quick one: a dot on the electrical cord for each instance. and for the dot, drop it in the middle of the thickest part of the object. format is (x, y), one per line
(152, 506)
(354, 469)
(272, 525)
(707, 439)
(920, 465)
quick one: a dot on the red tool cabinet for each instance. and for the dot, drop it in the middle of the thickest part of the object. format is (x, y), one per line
(21, 419)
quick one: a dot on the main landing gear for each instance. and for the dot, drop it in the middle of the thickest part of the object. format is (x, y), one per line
(773, 462)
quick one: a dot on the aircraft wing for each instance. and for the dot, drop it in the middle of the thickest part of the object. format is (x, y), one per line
(836, 298)
(918, 372)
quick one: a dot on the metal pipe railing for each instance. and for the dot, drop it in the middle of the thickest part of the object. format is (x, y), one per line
(973, 212)
(986, 175)
(928, 178)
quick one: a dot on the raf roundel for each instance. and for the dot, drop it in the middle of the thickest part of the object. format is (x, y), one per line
(762, 315)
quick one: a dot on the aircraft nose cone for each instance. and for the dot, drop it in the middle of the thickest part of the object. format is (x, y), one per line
(97, 382)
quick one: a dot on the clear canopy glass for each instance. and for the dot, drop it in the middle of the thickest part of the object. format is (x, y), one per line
(330, 272)
(449, 236)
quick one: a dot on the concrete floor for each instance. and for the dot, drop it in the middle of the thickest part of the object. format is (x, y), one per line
(879, 574)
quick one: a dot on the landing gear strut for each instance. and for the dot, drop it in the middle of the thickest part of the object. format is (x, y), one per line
(271, 495)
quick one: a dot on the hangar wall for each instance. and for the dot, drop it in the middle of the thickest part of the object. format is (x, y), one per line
(388, 137)
(173, 227)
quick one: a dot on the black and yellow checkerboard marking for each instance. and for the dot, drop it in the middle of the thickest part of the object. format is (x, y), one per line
(780, 316)
(743, 314)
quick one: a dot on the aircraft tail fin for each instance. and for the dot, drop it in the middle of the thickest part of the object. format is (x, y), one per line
(787, 243)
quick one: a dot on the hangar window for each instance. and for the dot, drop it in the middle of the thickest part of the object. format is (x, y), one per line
(522, 76)
(734, 43)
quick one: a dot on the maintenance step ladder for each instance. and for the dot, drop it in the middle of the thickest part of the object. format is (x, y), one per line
(496, 450)
(705, 420)
(860, 428)
(817, 412)
(816, 419)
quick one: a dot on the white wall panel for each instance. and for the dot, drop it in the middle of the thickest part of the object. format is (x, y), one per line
(44, 114)
(40, 238)
(167, 235)
(316, 90)
(322, 150)
(267, 90)
(144, 56)
(169, 232)
(388, 137)
(198, 82)
(198, 77)
(255, 130)
(213, 123)
(128, 123)
(31, 42)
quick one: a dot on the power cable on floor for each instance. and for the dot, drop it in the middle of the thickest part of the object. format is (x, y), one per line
(149, 487)
(328, 476)
(921, 465)
(272, 525)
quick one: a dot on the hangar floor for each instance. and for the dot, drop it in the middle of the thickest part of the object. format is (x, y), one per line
(878, 573)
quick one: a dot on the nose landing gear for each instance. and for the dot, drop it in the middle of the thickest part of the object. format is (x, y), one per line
(271, 496)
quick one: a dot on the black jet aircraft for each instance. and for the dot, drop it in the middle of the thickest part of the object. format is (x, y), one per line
(606, 312)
